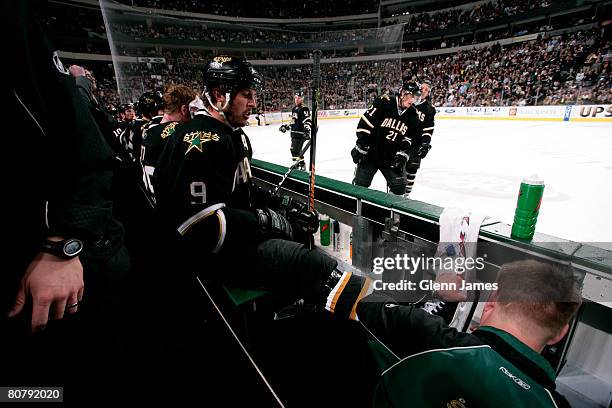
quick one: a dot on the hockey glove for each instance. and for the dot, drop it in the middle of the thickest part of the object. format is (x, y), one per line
(304, 223)
(399, 161)
(284, 128)
(423, 150)
(359, 153)
(306, 133)
(274, 225)
(299, 216)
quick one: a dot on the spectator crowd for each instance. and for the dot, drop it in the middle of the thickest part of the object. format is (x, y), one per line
(537, 72)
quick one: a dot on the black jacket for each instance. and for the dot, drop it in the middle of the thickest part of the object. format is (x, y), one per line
(59, 179)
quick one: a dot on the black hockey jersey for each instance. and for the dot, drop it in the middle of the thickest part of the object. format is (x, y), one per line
(131, 139)
(384, 129)
(426, 113)
(203, 187)
(300, 121)
(153, 141)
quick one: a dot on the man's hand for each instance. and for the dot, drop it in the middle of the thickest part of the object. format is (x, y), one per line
(284, 128)
(53, 284)
(446, 278)
(306, 133)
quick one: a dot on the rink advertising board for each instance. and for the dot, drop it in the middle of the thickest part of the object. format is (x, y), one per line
(575, 113)
(585, 113)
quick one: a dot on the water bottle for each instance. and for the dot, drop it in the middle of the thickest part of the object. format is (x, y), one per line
(336, 237)
(527, 207)
(324, 229)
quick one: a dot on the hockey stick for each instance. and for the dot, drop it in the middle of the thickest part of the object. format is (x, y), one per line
(293, 167)
(242, 346)
(316, 85)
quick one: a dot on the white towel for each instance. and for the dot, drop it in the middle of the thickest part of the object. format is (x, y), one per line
(459, 231)
(457, 228)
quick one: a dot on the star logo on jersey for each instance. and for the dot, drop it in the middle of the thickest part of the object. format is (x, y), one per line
(169, 130)
(456, 403)
(222, 59)
(197, 139)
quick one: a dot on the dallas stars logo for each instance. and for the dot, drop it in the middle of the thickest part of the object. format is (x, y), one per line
(168, 130)
(197, 139)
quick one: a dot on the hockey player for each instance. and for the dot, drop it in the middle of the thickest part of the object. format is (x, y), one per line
(426, 113)
(222, 227)
(385, 135)
(151, 109)
(176, 101)
(300, 128)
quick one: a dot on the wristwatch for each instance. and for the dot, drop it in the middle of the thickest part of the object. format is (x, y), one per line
(67, 248)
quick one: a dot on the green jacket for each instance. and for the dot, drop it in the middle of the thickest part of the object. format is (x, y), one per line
(425, 363)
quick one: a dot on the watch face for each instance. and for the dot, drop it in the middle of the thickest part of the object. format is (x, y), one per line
(73, 247)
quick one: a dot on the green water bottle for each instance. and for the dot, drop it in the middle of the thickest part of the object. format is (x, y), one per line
(324, 229)
(527, 207)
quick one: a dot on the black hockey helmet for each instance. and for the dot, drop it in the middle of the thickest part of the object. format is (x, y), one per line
(126, 106)
(150, 103)
(412, 87)
(299, 93)
(231, 73)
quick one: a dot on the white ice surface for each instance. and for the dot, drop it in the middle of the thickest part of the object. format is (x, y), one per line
(478, 165)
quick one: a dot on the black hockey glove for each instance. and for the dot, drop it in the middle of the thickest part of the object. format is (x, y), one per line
(299, 216)
(304, 223)
(424, 148)
(284, 128)
(306, 133)
(399, 161)
(359, 153)
(274, 225)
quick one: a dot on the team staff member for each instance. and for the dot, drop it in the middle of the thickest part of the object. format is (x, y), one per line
(433, 365)
(64, 260)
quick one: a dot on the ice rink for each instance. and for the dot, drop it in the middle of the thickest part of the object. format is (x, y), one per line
(478, 165)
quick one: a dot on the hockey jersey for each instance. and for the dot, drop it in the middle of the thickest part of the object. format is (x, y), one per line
(300, 121)
(154, 139)
(203, 187)
(385, 129)
(426, 113)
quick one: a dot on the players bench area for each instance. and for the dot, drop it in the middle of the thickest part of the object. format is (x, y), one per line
(286, 351)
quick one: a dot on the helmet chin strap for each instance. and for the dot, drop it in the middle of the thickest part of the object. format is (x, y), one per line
(220, 109)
